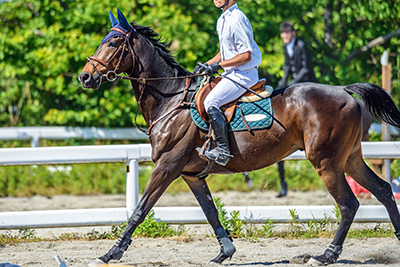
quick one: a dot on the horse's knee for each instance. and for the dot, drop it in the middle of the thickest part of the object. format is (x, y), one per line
(349, 209)
(384, 193)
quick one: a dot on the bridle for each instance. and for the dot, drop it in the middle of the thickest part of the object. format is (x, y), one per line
(111, 76)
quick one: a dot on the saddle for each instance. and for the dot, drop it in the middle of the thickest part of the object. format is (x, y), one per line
(207, 85)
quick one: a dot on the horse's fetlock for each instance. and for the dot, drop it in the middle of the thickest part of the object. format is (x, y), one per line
(335, 249)
(116, 253)
(227, 247)
(225, 241)
(123, 242)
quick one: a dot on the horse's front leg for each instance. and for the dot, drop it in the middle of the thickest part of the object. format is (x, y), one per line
(161, 177)
(203, 196)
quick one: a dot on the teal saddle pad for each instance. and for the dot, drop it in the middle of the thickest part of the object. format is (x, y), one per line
(257, 114)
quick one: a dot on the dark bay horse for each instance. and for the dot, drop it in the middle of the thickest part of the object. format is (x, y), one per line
(323, 120)
(367, 120)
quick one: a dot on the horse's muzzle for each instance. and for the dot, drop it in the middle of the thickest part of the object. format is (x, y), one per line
(88, 81)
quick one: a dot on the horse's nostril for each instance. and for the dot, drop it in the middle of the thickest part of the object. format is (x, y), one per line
(85, 77)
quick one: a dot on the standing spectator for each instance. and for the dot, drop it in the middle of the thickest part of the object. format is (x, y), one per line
(299, 68)
(297, 58)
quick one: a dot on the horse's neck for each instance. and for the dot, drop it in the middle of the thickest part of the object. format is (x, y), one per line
(158, 97)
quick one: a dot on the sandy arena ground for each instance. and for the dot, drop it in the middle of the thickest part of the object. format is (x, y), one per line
(195, 249)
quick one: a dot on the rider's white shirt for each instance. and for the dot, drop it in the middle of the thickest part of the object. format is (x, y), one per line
(236, 37)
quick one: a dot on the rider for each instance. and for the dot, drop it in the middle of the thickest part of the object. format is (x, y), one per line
(240, 57)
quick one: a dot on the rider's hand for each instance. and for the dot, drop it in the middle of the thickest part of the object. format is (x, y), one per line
(199, 69)
(213, 68)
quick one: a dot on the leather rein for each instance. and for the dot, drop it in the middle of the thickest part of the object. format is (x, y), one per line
(111, 76)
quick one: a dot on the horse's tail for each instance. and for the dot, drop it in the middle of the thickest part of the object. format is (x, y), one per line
(377, 101)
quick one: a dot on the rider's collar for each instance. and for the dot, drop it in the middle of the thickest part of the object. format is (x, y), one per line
(229, 10)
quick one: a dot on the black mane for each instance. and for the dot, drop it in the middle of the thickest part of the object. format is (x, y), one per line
(162, 47)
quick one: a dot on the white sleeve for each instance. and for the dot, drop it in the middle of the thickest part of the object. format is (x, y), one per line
(242, 35)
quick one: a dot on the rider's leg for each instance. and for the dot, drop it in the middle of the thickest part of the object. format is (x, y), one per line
(224, 92)
(220, 154)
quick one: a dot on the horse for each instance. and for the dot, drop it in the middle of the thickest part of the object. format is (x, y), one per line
(323, 120)
(367, 120)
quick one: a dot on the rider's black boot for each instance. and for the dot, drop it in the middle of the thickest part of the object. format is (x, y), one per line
(220, 154)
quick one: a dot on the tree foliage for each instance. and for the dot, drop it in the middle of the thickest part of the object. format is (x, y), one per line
(44, 45)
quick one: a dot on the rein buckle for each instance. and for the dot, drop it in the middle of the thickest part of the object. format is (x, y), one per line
(111, 76)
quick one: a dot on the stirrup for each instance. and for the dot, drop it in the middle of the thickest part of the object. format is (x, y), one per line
(218, 155)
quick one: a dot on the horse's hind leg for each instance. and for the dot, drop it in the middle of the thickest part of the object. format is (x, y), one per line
(336, 184)
(363, 175)
(203, 196)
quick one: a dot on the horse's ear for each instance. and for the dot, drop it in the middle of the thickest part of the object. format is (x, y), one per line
(122, 21)
(113, 20)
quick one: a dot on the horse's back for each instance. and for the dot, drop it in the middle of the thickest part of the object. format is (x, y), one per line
(307, 116)
(328, 118)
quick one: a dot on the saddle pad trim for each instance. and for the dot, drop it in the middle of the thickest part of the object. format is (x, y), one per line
(259, 114)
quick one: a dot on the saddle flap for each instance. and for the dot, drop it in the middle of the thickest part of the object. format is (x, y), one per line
(229, 108)
(202, 94)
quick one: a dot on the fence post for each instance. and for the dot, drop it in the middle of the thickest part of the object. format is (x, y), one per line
(132, 186)
(35, 141)
(387, 85)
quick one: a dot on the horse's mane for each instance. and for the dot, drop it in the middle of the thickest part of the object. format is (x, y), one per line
(161, 46)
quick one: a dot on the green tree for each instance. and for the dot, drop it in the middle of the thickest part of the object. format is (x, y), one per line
(44, 45)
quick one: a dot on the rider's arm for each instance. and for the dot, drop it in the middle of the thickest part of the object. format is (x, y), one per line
(237, 60)
(215, 59)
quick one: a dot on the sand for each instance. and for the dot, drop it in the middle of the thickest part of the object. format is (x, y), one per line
(195, 249)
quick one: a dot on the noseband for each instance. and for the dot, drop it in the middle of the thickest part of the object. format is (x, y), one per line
(111, 75)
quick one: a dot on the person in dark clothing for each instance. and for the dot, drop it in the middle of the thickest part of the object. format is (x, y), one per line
(297, 64)
(298, 68)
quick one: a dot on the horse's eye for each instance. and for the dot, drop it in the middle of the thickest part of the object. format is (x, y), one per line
(112, 44)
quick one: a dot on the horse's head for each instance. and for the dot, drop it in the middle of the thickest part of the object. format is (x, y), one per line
(110, 58)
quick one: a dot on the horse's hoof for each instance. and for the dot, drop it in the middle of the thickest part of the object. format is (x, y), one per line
(314, 262)
(96, 263)
(220, 258)
(281, 195)
(227, 250)
(325, 259)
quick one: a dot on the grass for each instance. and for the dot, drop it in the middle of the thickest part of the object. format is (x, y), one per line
(22, 235)
(153, 228)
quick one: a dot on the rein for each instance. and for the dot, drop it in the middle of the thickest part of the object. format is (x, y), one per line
(111, 76)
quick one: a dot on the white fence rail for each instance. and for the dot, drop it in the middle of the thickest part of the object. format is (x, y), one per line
(34, 134)
(132, 154)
